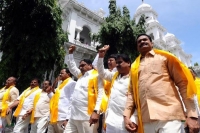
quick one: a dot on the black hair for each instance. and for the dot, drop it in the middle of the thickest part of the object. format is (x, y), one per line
(143, 34)
(113, 56)
(88, 61)
(67, 71)
(36, 80)
(49, 82)
(124, 57)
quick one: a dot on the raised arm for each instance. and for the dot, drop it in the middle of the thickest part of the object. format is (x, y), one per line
(107, 75)
(71, 63)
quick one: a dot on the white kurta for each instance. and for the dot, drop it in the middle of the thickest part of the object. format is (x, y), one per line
(79, 109)
(65, 100)
(27, 101)
(117, 100)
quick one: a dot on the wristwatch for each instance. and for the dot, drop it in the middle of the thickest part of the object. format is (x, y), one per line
(97, 112)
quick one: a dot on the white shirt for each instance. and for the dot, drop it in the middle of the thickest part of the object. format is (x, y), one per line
(27, 101)
(79, 109)
(65, 100)
(118, 96)
(42, 107)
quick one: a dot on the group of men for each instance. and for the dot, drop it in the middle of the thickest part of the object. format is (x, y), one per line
(145, 97)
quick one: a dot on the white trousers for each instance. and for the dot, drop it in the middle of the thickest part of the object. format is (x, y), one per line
(173, 126)
(114, 129)
(80, 126)
(56, 128)
(3, 123)
(40, 125)
(22, 125)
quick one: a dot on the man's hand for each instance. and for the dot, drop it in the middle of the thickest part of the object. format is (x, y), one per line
(103, 50)
(8, 110)
(94, 118)
(129, 125)
(193, 124)
(71, 49)
(49, 89)
(63, 125)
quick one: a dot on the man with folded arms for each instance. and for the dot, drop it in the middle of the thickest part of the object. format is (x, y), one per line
(40, 110)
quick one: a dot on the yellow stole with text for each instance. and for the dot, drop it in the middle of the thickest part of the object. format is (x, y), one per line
(4, 101)
(54, 101)
(36, 98)
(22, 98)
(191, 88)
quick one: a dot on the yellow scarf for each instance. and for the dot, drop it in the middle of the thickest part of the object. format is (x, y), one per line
(36, 98)
(197, 83)
(22, 98)
(92, 91)
(191, 88)
(4, 101)
(54, 101)
(107, 90)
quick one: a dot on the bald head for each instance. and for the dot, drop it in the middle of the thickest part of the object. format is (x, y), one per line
(11, 81)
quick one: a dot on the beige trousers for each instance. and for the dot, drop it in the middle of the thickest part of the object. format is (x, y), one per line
(173, 126)
(55, 128)
(40, 125)
(80, 126)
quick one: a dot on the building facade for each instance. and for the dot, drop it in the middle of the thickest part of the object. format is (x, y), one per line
(161, 38)
(81, 23)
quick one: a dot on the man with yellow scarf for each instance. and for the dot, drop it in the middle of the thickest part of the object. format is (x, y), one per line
(40, 109)
(154, 77)
(86, 98)
(119, 88)
(8, 94)
(23, 103)
(61, 102)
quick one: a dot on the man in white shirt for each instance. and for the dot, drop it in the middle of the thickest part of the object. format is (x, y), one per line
(111, 62)
(119, 88)
(86, 98)
(61, 103)
(24, 101)
(40, 110)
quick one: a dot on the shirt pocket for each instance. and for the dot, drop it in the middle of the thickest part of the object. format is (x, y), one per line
(156, 67)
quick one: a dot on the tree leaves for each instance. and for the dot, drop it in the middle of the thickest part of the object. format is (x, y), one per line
(32, 40)
(119, 31)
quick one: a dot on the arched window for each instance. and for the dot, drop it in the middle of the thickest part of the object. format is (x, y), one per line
(85, 36)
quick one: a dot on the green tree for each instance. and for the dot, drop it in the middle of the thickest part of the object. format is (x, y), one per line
(32, 40)
(119, 31)
(196, 64)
